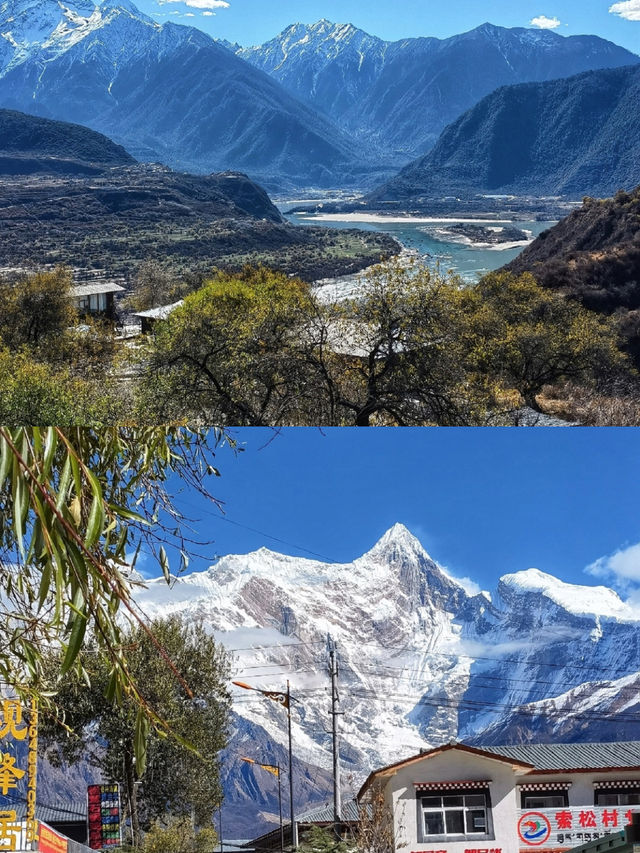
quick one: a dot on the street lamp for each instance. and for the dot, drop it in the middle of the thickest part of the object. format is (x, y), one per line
(275, 769)
(283, 699)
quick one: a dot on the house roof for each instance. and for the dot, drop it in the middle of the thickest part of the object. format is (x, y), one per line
(391, 769)
(159, 313)
(573, 756)
(324, 814)
(92, 288)
(537, 757)
(320, 815)
(52, 813)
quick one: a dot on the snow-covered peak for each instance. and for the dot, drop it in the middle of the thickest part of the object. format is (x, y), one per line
(48, 28)
(574, 598)
(397, 540)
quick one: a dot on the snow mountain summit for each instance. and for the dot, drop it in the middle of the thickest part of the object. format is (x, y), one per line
(423, 660)
(323, 105)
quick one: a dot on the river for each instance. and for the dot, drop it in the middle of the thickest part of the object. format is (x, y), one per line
(425, 237)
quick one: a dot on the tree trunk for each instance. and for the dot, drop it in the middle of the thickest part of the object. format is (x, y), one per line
(129, 768)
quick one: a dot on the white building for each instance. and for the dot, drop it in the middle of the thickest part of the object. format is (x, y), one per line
(531, 798)
(96, 297)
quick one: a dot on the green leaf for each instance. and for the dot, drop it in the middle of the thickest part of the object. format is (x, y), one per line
(164, 564)
(129, 514)
(96, 521)
(78, 628)
(140, 741)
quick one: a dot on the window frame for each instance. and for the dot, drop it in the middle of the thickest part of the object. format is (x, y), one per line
(552, 792)
(616, 791)
(425, 838)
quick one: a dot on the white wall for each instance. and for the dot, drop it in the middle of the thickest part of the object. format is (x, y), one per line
(454, 766)
(457, 765)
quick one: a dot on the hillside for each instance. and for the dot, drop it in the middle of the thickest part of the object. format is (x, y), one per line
(422, 659)
(130, 214)
(167, 93)
(594, 255)
(402, 94)
(573, 137)
(30, 144)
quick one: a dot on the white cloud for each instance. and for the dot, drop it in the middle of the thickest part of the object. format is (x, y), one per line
(623, 566)
(542, 22)
(207, 14)
(188, 15)
(629, 9)
(468, 585)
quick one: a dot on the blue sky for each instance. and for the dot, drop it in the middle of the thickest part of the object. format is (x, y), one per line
(483, 502)
(255, 21)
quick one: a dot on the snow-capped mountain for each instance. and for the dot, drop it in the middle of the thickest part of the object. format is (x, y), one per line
(404, 93)
(41, 31)
(165, 92)
(421, 659)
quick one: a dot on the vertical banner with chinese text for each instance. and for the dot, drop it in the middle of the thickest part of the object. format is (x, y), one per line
(103, 816)
(32, 773)
(13, 731)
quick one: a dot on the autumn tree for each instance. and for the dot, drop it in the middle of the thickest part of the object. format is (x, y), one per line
(33, 392)
(413, 347)
(229, 354)
(530, 337)
(181, 775)
(395, 354)
(35, 308)
(376, 832)
(178, 835)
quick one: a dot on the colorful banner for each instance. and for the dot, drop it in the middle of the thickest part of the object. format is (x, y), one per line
(50, 841)
(570, 827)
(103, 816)
(14, 728)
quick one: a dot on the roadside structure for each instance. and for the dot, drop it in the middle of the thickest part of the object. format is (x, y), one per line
(150, 317)
(96, 298)
(529, 798)
(322, 816)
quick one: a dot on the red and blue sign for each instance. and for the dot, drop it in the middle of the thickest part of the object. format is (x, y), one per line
(534, 828)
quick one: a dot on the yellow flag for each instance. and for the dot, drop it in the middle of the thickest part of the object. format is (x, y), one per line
(270, 767)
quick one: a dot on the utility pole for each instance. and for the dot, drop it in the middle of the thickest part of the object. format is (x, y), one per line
(294, 828)
(285, 700)
(335, 704)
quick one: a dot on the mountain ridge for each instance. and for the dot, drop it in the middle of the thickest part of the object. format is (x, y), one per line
(569, 137)
(166, 92)
(402, 94)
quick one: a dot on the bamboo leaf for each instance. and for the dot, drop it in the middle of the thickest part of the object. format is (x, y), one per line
(140, 741)
(78, 628)
(164, 564)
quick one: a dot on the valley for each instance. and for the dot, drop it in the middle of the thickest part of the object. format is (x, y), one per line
(115, 222)
(202, 134)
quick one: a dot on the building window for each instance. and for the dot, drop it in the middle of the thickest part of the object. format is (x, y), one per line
(545, 800)
(454, 815)
(617, 798)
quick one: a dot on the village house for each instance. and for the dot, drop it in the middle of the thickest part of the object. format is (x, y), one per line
(96, 298)
(530, 798)
(150, 317)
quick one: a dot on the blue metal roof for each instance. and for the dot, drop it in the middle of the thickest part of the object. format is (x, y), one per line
(570, 756)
